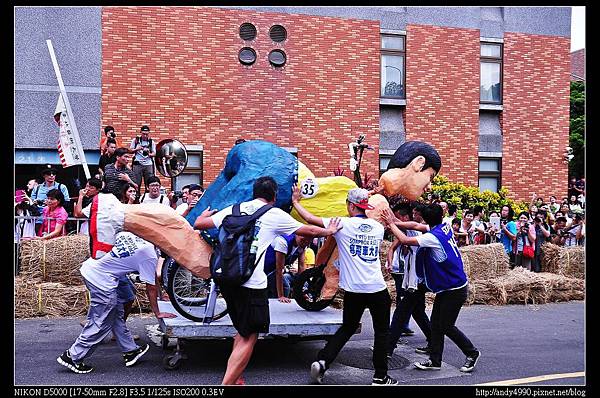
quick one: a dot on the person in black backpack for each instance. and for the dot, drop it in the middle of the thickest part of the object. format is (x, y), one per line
(143, 162)
(247, 303)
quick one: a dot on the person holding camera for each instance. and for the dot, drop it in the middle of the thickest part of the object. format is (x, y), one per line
(575, 232)
(525, 242)
(194, 194)
(109, 134)
(542, 234)
(144, 150)
(183, 208)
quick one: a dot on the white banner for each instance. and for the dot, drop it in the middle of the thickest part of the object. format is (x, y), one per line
(68, 151)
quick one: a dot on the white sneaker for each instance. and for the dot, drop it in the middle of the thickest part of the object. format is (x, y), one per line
(317, 371)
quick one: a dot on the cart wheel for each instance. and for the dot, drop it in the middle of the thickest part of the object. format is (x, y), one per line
(171, 362)
(164, 342)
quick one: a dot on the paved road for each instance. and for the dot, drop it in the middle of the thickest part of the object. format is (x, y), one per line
(516, 342)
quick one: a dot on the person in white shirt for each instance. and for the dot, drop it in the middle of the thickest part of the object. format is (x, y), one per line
(248, 304)
(181, 208)
(361, 278)
(129, 254)
(153, 194)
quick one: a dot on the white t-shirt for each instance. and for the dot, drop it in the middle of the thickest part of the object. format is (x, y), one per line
(429, 240)
(181, 208)
(271, 224)
(147, 199)
(358, 243)
(129, 254)
(281, 245)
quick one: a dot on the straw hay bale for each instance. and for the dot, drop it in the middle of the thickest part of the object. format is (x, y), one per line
(55, 260)
(484, 261)
(523, 286)
(34, 298)
(568, 261)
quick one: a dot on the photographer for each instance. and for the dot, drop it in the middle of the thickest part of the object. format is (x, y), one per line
(183, 194)
(195, 192)
(574, 233)
(143, 164)
(542, 234)
(525, 242)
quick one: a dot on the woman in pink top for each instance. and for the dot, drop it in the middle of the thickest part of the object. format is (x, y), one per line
(55, 216)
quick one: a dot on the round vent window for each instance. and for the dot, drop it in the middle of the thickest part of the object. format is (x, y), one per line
(247, 31)
(247, 56)
(277, 58)
(277, 33)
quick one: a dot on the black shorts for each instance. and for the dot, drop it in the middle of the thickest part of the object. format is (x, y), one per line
(248, 309)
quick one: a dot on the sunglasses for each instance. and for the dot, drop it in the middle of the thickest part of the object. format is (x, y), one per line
(50, 174)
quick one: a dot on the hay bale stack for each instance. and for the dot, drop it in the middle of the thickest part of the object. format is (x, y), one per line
(523, 286)
(34, 298)
(487, 292)
(55, 260)
(567, 261)
(484, 261)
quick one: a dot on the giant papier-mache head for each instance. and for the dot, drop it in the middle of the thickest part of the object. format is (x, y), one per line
(245, 163)
(411, 170)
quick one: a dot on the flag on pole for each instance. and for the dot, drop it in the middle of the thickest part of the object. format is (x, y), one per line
(67, 149)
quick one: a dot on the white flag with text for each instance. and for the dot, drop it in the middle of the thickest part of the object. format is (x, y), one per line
(67, 149)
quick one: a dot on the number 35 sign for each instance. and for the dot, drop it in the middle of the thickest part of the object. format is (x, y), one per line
(309, 188)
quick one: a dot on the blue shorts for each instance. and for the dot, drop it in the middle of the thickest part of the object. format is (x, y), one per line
(125, 290)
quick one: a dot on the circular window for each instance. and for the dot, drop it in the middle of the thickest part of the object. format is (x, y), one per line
(247, 56)
(247, 31)
(277, 58)
(277, 33)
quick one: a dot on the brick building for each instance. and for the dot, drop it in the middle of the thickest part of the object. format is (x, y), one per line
(487, 86)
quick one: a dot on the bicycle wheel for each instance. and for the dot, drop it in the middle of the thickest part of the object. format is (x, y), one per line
(307, 289)
(189, 295)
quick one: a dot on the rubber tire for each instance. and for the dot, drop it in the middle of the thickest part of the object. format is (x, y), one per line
(178, 306)
(315, 279)
(168, 365)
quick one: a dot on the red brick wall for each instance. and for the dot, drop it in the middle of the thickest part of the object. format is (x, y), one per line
(177, 70)
(442, 96)
(536, 115)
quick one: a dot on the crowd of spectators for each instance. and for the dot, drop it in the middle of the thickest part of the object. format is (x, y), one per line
(46, 210)
(561, 223)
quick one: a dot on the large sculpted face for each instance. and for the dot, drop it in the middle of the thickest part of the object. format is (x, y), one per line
(411, 170)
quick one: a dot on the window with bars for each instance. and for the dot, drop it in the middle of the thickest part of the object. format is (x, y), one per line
(392, 66)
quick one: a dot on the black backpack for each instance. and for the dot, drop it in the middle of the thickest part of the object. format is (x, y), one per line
(232, 262)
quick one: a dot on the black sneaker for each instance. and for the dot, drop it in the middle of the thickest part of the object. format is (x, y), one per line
(385, 381)
(65, 360)
(407, 332)
(470, 363)
(132, 357)
(317, 371)
(427, 365)
(423, 350)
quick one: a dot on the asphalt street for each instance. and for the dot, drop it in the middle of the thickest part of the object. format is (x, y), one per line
(516, 342)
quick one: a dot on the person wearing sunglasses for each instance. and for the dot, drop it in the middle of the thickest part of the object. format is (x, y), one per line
(40, 192)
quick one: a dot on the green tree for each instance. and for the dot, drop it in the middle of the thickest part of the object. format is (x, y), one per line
(577, 128)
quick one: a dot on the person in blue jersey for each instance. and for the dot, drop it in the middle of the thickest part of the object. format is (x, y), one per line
(441, 267)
